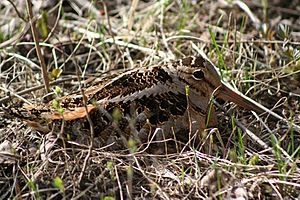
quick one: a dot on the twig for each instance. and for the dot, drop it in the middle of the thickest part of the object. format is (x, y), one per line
(116, 40)
(16, 37)
(14, 94)
(164, 40)
(31, 89)
(163, 194)
(251, 134)
(17, 11)
(131, 13)
(56, 21)
(119, 182)
(258, 41)
(37, 47)
(88, 119)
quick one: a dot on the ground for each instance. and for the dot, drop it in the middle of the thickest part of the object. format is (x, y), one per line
(254, 44)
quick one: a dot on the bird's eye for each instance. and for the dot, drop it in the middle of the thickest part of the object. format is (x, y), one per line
(198, 74)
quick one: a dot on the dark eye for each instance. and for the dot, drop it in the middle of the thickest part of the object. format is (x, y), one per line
(198, 74)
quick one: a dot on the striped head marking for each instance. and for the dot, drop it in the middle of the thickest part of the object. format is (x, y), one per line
(204, 81)
(198, 73)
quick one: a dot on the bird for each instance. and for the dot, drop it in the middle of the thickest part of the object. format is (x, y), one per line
(171, 98)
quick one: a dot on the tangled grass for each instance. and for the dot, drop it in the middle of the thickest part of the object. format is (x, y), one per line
(256, 47)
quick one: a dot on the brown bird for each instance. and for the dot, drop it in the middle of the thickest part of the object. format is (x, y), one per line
(174, 97)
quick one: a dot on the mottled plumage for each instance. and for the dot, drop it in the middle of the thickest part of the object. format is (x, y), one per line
(136, 102)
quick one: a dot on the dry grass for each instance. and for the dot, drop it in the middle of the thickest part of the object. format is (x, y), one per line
(256, 47)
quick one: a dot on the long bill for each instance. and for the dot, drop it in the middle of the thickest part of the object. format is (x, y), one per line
(227, 93)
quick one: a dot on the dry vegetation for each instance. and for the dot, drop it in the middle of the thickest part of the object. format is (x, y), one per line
(256, 46)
